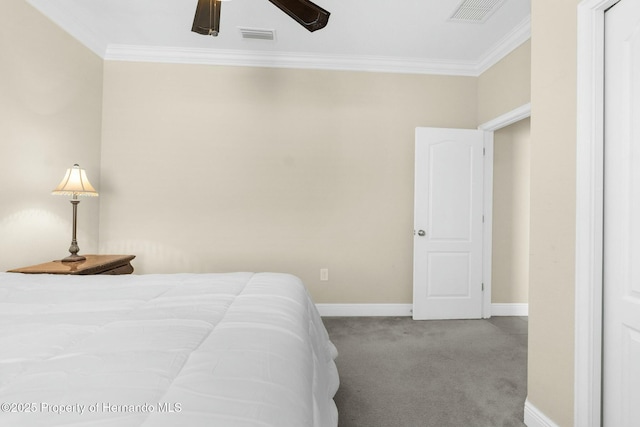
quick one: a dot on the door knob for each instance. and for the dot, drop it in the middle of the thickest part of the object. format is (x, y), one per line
(421, 233)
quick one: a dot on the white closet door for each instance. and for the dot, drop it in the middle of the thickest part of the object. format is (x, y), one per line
(621, 355)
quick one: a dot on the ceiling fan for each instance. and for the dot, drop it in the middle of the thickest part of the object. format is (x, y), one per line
(308, 14)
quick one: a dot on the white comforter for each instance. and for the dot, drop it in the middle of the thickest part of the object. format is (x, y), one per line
(226, 350)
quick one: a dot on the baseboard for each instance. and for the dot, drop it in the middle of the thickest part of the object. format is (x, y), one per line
(534, 418)
(355, 310)
(516, 309)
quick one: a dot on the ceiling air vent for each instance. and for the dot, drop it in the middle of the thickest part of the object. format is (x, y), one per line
(257, 33)
(475, 10)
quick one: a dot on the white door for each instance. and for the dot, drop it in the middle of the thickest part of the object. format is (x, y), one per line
(447, 260)
(621, 339)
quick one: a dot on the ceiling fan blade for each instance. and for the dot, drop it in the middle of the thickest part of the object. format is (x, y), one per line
(308, 14)
(207, 19)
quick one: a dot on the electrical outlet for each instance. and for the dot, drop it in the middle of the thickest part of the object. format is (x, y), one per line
(324, 274)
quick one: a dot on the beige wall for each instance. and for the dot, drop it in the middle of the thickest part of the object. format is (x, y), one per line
(324, 160)
(506, 85)
(553, 189)
(209, 168)
(50, 109)
(510, 270)
(332, 187)
(501, 89)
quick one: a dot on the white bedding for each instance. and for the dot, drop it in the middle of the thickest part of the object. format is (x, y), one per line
(228, 350)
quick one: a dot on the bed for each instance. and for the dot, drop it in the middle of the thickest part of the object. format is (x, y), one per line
(229, 350)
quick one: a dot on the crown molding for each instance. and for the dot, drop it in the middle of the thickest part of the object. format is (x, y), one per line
(287, 60)
(94, 41)
(520, 34)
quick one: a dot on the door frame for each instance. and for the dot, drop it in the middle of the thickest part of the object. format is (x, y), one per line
(489, 127)
(589, 213)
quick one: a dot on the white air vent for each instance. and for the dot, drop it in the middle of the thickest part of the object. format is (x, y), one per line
(257, 33)
(475, 10)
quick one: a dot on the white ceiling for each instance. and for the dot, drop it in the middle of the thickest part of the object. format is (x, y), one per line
(380, 35)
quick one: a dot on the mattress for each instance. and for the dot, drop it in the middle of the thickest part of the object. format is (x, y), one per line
(231, 350)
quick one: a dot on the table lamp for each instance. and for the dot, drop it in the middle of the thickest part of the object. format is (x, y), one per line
(75, 183)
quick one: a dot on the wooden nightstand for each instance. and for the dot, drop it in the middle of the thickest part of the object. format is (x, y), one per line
(94, 264)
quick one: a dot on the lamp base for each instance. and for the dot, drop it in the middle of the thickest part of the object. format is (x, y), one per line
(73, 258)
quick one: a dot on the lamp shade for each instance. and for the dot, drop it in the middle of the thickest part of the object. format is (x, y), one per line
(75, 183)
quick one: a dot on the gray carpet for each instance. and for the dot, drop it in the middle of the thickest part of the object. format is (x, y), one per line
(397, 372)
